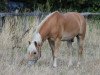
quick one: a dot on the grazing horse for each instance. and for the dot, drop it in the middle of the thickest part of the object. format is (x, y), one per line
(57, 27)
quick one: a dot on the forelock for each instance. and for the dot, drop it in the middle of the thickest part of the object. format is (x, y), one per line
(37, 38)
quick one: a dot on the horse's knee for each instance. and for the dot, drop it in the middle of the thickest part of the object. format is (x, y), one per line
(80, 50)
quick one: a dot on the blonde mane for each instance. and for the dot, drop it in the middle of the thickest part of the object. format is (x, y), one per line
(44, 20)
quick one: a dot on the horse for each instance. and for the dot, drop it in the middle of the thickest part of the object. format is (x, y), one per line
(57, 27)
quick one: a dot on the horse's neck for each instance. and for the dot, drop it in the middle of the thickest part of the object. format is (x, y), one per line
(44, 31)
(45, 28)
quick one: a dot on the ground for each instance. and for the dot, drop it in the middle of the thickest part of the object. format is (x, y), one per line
(9, 59)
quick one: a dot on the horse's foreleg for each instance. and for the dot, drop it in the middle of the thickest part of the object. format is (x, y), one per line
(52, 44)
(55, 52)
(69, 44)
(54, 47)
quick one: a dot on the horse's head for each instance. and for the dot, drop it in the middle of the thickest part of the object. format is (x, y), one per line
(34, 50)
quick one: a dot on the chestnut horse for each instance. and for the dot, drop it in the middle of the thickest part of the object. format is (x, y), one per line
(57, 27)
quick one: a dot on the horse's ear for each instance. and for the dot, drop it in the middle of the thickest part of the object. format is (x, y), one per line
(35, 43)
(29, 42)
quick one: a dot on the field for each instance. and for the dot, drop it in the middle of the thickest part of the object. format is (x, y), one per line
(16, 33)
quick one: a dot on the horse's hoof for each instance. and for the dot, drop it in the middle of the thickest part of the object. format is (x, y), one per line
(70, 64)
(54, 65)
(78, 64)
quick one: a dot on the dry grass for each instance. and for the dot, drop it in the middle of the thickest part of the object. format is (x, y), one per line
(13, 47)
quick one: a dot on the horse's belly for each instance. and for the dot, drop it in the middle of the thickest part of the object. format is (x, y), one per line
(67, 36)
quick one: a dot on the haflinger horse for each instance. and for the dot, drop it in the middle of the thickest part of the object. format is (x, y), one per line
(57, 27)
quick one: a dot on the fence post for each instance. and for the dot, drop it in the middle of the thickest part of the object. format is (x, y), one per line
(2, 20)
(0, 23)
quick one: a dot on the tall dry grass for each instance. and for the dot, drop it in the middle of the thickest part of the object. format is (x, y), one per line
(14, 41)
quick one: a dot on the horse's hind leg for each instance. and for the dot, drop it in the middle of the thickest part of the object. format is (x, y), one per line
(80, 40)
(55, 48)
(69, 44)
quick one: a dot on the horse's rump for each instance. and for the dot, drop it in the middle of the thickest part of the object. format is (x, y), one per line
(73, 24)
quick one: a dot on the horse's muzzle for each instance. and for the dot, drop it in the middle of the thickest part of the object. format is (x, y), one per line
(31, 62)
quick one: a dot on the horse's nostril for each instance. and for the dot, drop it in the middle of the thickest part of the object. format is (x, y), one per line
(34, 52)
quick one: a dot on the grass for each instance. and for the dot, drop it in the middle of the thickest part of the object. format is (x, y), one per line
(13, 46)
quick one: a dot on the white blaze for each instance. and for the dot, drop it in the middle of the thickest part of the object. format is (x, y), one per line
(37, 38)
